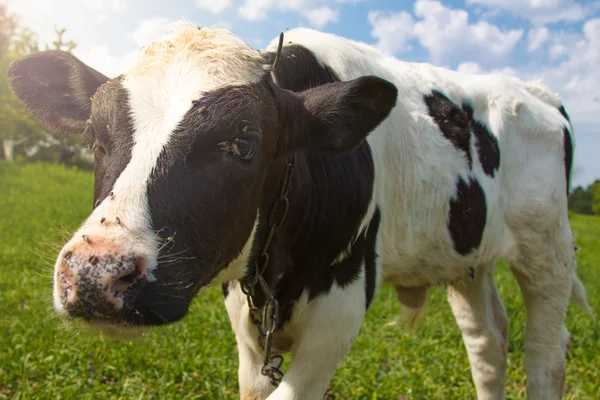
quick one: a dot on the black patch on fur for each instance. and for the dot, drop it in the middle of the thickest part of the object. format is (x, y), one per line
(371, 256)
(298, 69)
(225, 287)
(467, 217)
(564, 113)
(568, 145)
(330, 195)
(113, 134)
(488, 150)
(452, 121)
(471, 272)
(204, 197)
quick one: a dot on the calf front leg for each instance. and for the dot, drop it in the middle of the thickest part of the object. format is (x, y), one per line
(253, 385)
(325, 330)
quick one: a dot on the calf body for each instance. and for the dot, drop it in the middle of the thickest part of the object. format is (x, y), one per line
(468, 170)
(191, 147)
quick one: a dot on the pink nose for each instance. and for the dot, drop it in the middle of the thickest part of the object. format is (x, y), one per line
(95, 277)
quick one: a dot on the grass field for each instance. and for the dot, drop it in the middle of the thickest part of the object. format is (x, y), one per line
(44, 358)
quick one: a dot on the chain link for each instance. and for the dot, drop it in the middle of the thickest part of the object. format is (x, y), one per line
(266, 319)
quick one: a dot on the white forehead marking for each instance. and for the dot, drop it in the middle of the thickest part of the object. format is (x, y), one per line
(170, 74)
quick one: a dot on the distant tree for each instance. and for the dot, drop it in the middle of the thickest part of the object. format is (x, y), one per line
(596, 202)
(17, 128)
(8, 26)
(60, 44)
(581, 199)
(19, 132)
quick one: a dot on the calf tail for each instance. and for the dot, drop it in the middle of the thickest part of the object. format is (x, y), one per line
(579, 295)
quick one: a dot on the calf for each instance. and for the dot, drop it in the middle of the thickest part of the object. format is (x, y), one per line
(210, 170)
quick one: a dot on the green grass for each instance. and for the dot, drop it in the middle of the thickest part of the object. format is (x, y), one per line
(42, 358)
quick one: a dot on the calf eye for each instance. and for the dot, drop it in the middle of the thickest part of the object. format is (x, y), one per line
(243, 148)
(239, 147)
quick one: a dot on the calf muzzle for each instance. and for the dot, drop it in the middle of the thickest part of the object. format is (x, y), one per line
(95, 279)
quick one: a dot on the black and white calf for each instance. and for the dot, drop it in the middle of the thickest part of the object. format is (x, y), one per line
(191, 148)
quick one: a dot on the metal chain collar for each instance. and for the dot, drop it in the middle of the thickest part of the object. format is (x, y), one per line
(267, 318)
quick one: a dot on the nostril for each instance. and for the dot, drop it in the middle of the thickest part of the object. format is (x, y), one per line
(130, 278)
(124, 282)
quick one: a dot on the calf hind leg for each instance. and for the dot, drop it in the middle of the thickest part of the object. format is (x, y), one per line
(482, 320)
(546, 293)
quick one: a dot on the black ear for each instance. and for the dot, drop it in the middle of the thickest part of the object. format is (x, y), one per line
(57, 88)
(344, 113)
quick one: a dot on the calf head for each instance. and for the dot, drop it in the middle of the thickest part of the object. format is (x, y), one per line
(184, 143)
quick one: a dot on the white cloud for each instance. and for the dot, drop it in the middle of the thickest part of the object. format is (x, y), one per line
(255, 10)
(114, 5)
(102, 18)
(558, 50)
(574, 72)
(42, 16)
(319, 17)
(317, 12)
(214, 6)
(392, 30)
(101, 59)
(537, 37)
(538, 11)
(443, 31)
(576, 78)
(149, 30)
(470, 67)
(224, 25)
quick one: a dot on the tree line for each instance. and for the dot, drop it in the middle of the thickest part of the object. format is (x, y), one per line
(586, 200)
(21, 136)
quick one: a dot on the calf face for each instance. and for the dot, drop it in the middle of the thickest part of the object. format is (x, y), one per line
(184, 143)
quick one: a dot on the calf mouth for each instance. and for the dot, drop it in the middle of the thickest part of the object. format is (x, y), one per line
(127, 324)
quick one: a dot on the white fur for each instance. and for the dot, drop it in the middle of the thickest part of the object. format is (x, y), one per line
(416, 167)
(415, 176)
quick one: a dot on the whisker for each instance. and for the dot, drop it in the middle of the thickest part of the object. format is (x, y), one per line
(170, 295)
(160, 316)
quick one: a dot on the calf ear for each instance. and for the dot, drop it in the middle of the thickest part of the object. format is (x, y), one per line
(57, 88)
(344, 113)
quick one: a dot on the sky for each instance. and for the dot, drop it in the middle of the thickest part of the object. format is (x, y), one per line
(557, 41)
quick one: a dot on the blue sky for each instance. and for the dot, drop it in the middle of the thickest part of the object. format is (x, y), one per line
(554, 40)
